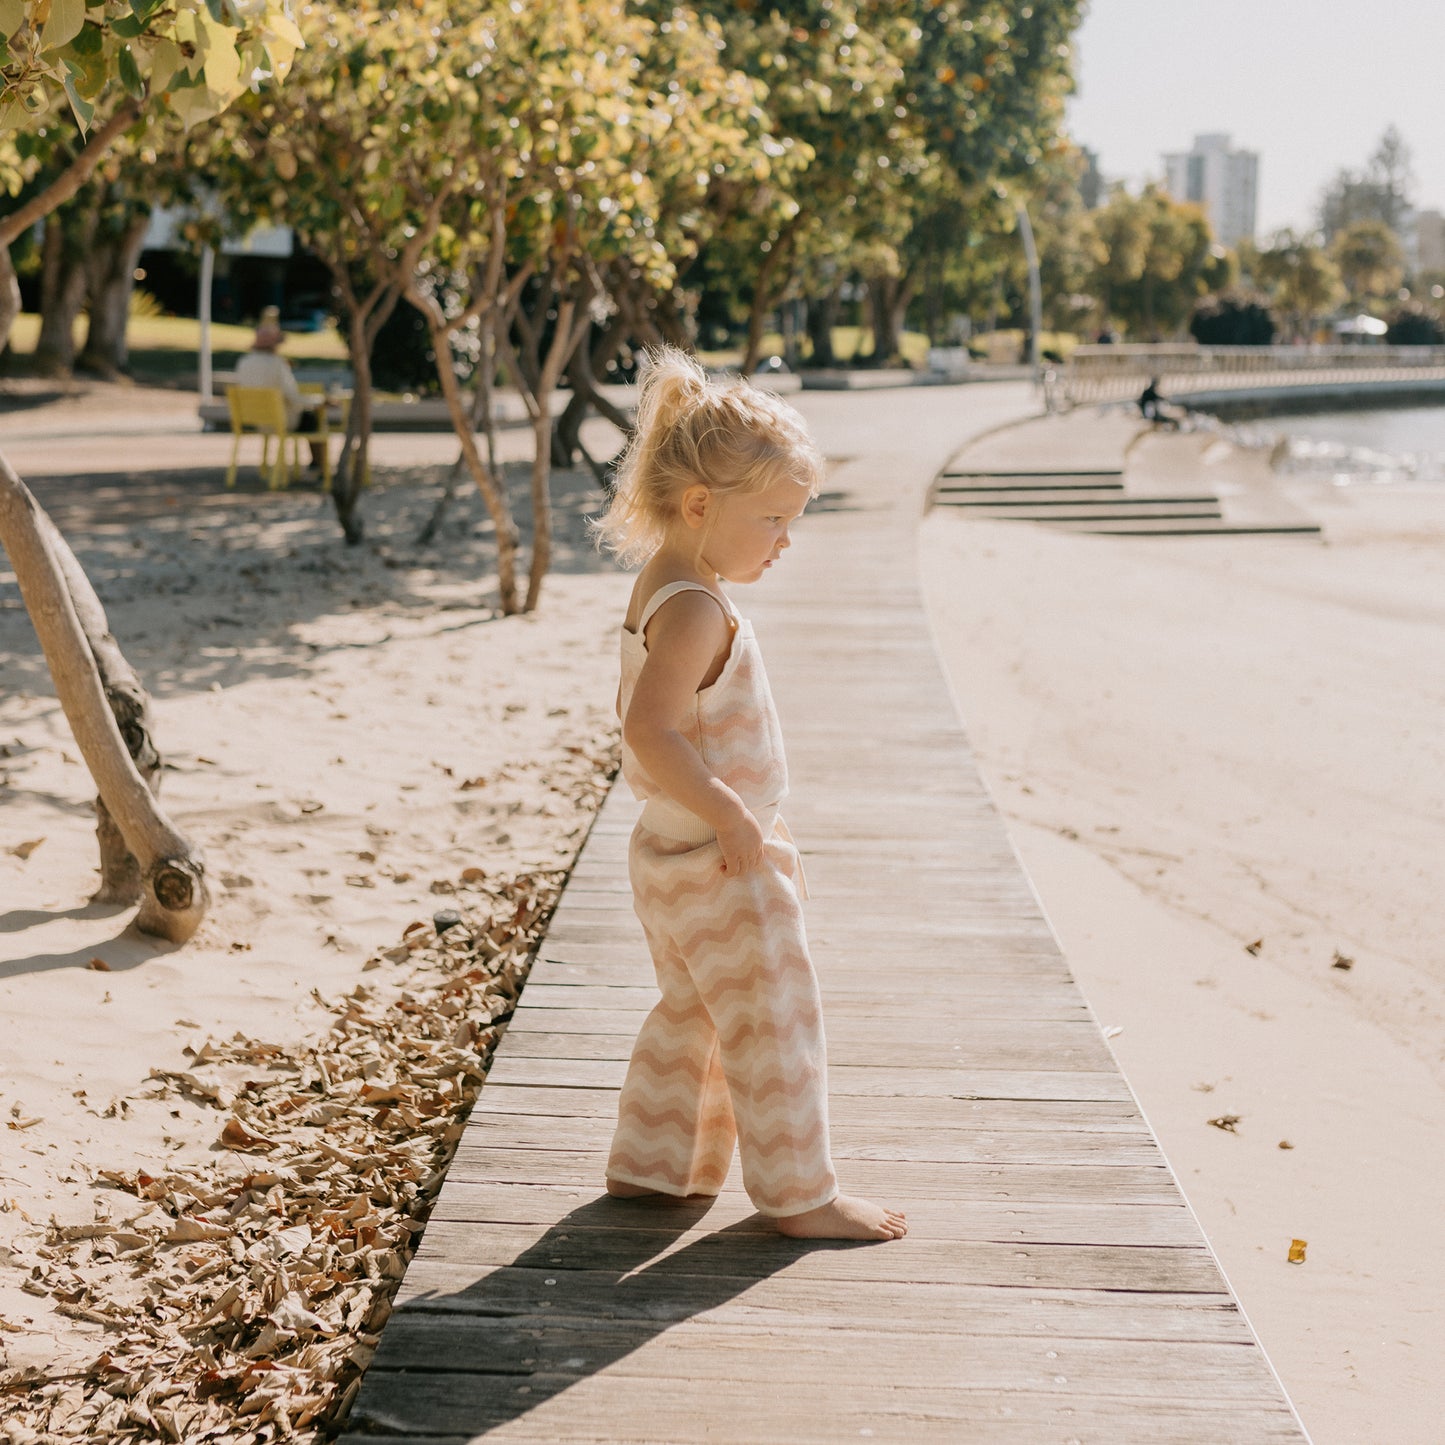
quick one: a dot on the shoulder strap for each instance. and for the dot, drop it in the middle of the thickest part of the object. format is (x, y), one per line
(667, 593)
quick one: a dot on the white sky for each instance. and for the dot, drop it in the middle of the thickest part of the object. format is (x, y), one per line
(1309, 84)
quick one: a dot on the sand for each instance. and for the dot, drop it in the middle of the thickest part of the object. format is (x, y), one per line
(1197, 744)
(345, 730)
(1221, 763)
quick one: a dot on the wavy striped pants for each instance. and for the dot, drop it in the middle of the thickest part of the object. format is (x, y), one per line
(735, 1048)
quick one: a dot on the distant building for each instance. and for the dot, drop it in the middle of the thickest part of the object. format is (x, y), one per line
(1225, 182)
(1429, 243)
(1091, 184)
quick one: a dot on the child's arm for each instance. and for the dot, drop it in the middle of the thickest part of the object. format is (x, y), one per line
(684, 640)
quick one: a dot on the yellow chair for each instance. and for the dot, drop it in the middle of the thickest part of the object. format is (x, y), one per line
(261, 409)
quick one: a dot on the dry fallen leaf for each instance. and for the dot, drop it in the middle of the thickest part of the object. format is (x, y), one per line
(1227, 1122)
(236, 1136)
(24, 850)
(473, 783)
(246, 1298)
(1342, 961)
(1254, 947)
(1285, 1144)
(188, 1230)
(99, 965)
(474, 875)
(1297, 1249)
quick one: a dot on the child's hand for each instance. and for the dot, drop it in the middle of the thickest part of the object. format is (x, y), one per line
(741, 842)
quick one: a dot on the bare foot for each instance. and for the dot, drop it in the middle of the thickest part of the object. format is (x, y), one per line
(845, 1218)
(619, 1190)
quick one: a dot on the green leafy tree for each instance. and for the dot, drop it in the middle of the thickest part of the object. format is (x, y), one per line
(1382, 191)
(1370, 261)
(836, 154)
(1301, 279)
(363, 153)
(90, 71)
(501, 168)
(1159, 260)
(984, 90)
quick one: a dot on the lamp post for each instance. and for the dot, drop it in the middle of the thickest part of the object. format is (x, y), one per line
(203, 311)
(1036, 295)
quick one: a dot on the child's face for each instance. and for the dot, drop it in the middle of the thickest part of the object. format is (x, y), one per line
(747, 534)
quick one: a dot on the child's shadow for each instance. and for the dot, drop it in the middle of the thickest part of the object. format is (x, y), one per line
(590, 1292)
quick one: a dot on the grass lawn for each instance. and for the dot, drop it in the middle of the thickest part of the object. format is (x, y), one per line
(849, 343)
(164, 348)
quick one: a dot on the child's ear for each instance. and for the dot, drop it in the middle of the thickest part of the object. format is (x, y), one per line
(695, 502)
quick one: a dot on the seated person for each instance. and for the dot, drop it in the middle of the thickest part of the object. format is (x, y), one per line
(1151, 405)
(263, 366)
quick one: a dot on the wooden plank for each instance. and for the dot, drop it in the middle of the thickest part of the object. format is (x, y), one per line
(714, 1352)
(547, 1408)
(934, 1310)
(1123, 1184)
(983, 1044)
(500, 1098)
(882, 1142)
(740, 1253)
(1168, 1225)
(879, 1082)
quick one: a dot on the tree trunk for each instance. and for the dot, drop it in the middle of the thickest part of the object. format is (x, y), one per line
(172, 873)
(488, 483)
(482, 420)
(822, 318)
(541, 498)
(69, 234)
(9, 297)
(350, 473)
(120, 875)
(572, 325)
(762, 303)
(365, 322)
(888, 298)
(112, 280)
(586, 364)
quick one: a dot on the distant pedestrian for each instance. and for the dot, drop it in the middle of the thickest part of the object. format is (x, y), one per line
(264, 366)
(713, 477)
(1151, 406)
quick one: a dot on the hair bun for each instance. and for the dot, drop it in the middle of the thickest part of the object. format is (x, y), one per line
(670, 384)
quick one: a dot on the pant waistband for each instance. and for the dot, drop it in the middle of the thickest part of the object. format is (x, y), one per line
(669, 819)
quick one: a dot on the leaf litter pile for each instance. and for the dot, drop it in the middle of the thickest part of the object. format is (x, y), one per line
(244, 1300)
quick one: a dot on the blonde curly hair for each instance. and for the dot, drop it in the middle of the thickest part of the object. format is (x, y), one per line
(732, 437)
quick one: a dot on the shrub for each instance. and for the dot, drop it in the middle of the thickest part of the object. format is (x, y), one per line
(1232, 318)
(1415, 325)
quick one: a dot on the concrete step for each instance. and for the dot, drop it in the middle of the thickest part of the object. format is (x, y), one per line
(1025, 490)
(1122, 509)
(1183, 527)
(1056, 477)
(1068, 497)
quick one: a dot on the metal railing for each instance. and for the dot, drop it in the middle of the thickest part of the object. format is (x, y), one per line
(1119, 373)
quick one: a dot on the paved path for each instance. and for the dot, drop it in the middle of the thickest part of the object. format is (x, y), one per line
(1054, 1286)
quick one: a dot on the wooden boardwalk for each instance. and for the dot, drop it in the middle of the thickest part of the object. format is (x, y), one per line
(1054, 1286)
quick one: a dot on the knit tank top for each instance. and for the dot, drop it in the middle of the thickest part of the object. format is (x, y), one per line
(732, 723)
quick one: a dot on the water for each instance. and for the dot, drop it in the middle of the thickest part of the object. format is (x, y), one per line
(1392, 444)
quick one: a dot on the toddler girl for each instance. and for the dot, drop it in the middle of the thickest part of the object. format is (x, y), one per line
(712, 479)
